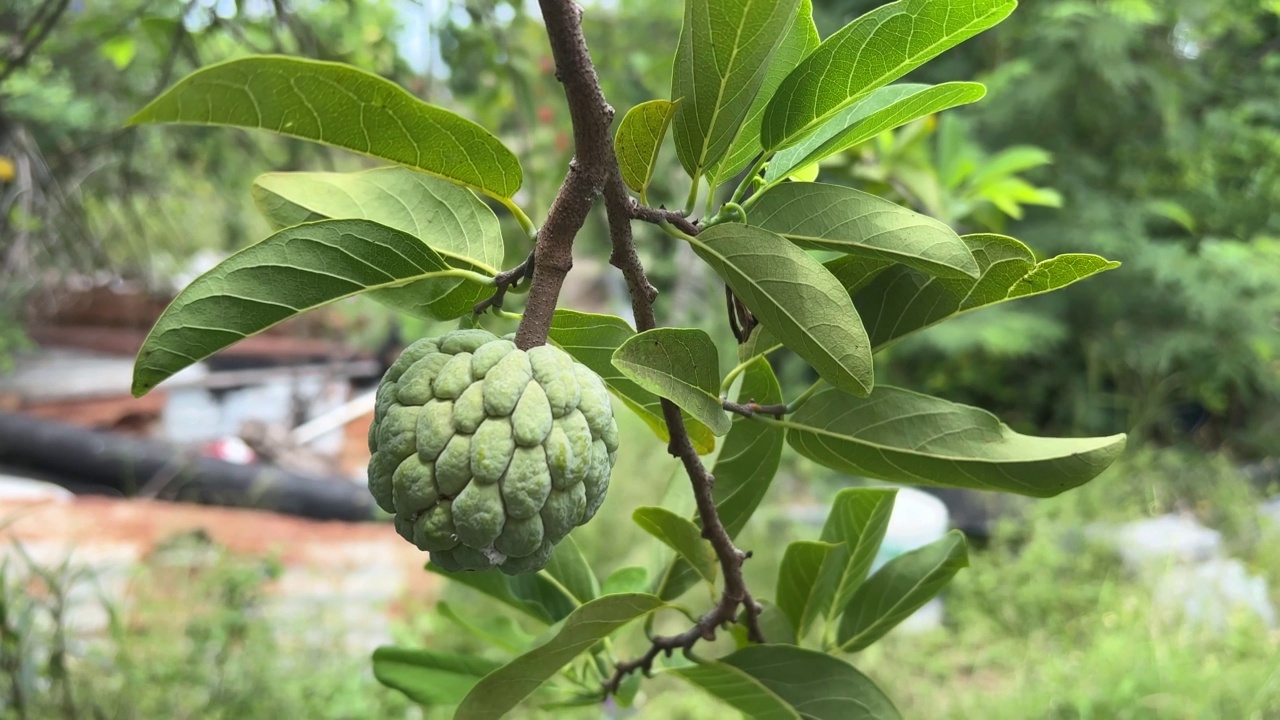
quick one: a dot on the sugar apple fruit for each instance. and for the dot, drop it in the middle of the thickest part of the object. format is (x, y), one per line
(487, 454)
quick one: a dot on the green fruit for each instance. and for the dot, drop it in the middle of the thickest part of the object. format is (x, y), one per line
(487, 454)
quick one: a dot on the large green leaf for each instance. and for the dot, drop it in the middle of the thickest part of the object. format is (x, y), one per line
(295, 270)
(785, 682)
(743, 470)
(638, 139)
(633, 578)
(799, 39)
(794, 296)
(905, 437)
(807, 581)
(591, 339)
(451, 219)
(721, 61)
(898, 589)
(343, 106)
(870, 52)
(897, 301)
(858, 519)
(430, 677)
(679, 534)
(680, 364)
(841, 219)
(503, 689)
(499, 587)
(883, 110)
(569, 568)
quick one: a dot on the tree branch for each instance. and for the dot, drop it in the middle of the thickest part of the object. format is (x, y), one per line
(588, 171)
(593, 171)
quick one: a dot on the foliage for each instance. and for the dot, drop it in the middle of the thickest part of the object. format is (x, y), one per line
(193, 641)
(1156, 114)
(733, 64)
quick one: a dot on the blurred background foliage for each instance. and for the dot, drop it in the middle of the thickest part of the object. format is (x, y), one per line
(1147, 131)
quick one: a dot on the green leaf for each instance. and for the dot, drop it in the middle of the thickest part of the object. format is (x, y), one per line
(544, 592)
(898, 589)
(680, 364)
(858, 519)
(785, 682)
(626, 580)
(681, 535)
(799, 39)
(807, 581)
(743, 470)
(721, 62)
(342, 106)
(429, 677)
(497, 586)
(451, 219)
(844, 220)
(905, 437)
(570, 569)
(295, 270)
(870, 52)
(885, 109)
(502, 690)
(794, 296)
(898, 301)
(638, 140)
(592, 339)
(497, 630)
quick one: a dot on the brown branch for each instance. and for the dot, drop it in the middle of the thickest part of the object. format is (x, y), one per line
(621, 209)
(658, 216)
(752, 408)
(593, 171)
(504, 281)
(588, 171)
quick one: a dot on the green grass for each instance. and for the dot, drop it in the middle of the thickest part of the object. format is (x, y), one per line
(1044, 624)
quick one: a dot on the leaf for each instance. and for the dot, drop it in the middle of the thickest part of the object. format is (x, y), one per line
(497, 630)
(293, 271)
(905, 437)
(681, 535)
(800, 302)
(844, 220)
(497, 586)
(768, 682)
(807, 581)
(570, 569)
(799, 39)
(451, 219)
(774, 625)
(638, 140)
(592, 339)
(743, 470)
(721, 62)
(898, 589)
(680, 364)
(626, 580)
(503, 689)
(880, 111)
(342, 106)
(879, 47)
(541, 590)
(429, 677)
(898, 301)
(858, 519)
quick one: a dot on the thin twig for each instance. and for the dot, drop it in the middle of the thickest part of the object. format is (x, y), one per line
(659, 215)
(504, 281)
(752, 408)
